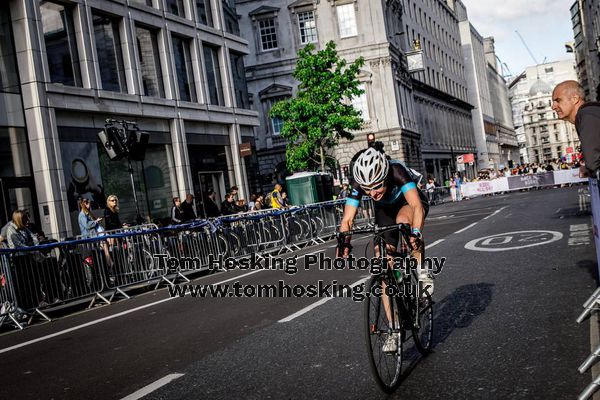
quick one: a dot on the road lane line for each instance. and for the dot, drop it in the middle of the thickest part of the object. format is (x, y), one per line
(495, 212)
(434, 243)
(466, 227)
(97, 321)
(152, 387)
(317, 304)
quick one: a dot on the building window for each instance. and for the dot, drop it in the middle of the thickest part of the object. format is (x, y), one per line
(239, 80)
(268, 34)
(346, 20)
(231, 21)
(308, 28)
(146, 2)
(556, 137)
(360, 104)
(108, 50)
(61, 46)
(175, 7)
(213, 75)
(183, 68)
(277, 125)
(9, 79)
(204, 12)
(151, 71)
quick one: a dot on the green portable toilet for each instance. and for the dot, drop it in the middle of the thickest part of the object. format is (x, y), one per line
(302, 188)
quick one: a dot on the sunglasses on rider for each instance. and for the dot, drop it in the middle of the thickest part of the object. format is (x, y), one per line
(374, 187)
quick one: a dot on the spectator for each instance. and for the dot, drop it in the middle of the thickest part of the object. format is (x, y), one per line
(187, 208)
(17, 233)
(240, 206)
(259, 204)
(344, 191)
(234, 192)
(452, 185)
(228, 205)
(285, 202)
(430, 189)
(251, 202)
(276, 202)
(111, 214)
(176, 212)
(568, 101)
(458, 181)
(211, 208)
(88, 224)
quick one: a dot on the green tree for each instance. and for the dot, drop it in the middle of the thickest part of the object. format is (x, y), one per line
(320, 114)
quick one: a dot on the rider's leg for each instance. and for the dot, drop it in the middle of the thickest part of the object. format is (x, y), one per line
(405, 217)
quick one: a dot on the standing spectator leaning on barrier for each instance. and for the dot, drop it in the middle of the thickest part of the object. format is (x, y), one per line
(176, 212)
(88, 224)
(259, 203)
(568, 101)
(111, 214)
(276, 201)
(452, 184)
(228, 205)
(187, 207)
(17, 233)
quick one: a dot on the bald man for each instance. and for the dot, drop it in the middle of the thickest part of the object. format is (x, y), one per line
(568, 101)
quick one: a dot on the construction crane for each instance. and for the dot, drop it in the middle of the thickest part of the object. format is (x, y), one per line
(527, 47)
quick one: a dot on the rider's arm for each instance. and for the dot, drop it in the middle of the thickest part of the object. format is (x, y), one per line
(349, 213)
(414, 201)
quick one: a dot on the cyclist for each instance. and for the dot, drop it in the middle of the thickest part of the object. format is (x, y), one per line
(396, 200)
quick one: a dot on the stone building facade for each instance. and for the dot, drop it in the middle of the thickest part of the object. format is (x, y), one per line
(585, 16)
(175, 67)
(543, 137)
(440, 90)
(278, 29)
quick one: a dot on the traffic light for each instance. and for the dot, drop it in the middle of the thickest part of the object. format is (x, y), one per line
(370, 139)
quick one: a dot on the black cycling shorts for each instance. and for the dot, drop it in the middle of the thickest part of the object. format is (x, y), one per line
(385, 214)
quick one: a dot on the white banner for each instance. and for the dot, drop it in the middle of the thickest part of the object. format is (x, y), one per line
(568, 176)
(484, 187)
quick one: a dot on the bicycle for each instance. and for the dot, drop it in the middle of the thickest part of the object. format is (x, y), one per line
(410, 311)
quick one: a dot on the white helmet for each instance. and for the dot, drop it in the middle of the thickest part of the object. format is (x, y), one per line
(370, 167)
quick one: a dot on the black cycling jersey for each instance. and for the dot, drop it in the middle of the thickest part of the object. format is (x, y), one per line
(398, 182)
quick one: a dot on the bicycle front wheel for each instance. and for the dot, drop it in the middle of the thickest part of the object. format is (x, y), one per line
(386, 366)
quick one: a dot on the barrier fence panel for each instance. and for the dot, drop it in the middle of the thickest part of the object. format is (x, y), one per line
(35, 279)
(593, 302)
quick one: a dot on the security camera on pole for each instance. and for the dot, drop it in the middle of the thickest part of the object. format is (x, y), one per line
(123, 139)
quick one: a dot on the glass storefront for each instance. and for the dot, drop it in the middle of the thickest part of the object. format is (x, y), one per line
(89, 171)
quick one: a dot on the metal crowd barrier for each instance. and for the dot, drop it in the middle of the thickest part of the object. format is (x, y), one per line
(592, 304)
(36, 279)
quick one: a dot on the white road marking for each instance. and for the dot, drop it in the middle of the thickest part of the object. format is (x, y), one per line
(495, 212)
(465, 228)
(317, 304)
(434, 243)
(513, 237)
(152, 387)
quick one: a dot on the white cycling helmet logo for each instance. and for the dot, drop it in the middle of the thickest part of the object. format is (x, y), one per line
(370, 168)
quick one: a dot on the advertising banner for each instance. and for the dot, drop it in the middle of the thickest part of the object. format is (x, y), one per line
(530, 180)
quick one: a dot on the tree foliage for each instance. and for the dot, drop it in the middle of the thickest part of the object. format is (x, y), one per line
(321, 113)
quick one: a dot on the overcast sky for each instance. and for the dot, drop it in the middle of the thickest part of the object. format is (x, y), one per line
(544, 24)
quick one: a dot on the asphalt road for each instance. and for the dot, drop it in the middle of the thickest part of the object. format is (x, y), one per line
(504, 324)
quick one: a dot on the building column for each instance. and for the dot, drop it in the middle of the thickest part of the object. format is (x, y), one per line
(40, 120)
(236, 162)
(181, 161)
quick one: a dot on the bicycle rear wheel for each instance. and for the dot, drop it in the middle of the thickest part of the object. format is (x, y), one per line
(386, 367)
